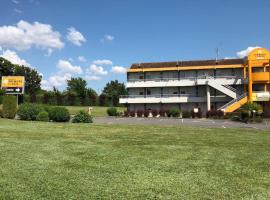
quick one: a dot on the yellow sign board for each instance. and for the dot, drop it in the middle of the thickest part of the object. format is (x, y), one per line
(261, 96)
(259, 54)
(13, 84)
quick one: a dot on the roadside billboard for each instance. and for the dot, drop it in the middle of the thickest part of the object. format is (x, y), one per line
(13, 84)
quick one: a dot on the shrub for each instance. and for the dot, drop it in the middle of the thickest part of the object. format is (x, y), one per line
(1, 112)
(154, 113)
(186, 114)
(82, 117)
(162, 113)
(132, 113)
(59, 114)
(112, 111)
(126, 113)
(174, 112)
(9, 107)
(29, 111)
(215, 114)
(43, 116)
(196, 115)
(140, 113)
(146, 113)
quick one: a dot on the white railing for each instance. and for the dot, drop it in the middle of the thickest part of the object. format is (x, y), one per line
(156, 96)
(233, 101)
(185, 78)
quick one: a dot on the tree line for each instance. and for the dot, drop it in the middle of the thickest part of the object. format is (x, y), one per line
(76, 92)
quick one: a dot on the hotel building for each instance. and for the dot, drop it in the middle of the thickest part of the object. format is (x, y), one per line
(204, 84)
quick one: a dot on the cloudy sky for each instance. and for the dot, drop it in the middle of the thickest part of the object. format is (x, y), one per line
(99, 39)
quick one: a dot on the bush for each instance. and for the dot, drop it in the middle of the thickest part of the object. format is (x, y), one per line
(186, 114)
(196, 115)
(29, 111)
(154, 113)
(146, 113)
(126, 113)
(140, 113)
(216, 114)
(174, 112)
(248, 114)
(162, 113)
(82, 117)
(132, 113)
(1, 112)
(112, 111)
(59, 114)
(9, 107)
(43, 116)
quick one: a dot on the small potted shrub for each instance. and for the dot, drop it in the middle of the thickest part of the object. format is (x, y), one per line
(174, 112)
(140, 113)
(132, 113)
(154, 113)
(162, 113)
(146, 113)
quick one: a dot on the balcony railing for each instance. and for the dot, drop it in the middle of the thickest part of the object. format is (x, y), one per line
(157, 96)
(185, 78)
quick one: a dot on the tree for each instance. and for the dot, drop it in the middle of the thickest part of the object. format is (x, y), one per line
(113, 90)
(92, 95)
(78, 86)
(32, 77)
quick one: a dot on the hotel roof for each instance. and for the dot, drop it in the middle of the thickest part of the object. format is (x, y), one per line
(187, 63)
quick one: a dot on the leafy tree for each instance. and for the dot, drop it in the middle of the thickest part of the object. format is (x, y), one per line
(113, 90)
(32, 77)
(77, 85)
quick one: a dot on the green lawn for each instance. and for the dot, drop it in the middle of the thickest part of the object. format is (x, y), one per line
(97, 111)
(86, 161)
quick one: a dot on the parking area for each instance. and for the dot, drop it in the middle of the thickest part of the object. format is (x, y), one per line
(182, 122)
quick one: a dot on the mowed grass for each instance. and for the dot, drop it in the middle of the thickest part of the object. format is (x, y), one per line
(87, 161)
(97, 111)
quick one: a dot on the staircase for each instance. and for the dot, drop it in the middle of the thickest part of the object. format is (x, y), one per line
(235, 103)
(226, 89)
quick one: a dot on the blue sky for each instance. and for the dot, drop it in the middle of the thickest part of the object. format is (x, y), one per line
(111, 35)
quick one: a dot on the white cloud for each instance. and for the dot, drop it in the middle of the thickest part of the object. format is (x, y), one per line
(92, 78)
(108, 38)
(17, 10)
(15, 1)
(55, 80)
(66, 67)
(246, 51)
(81, 58)
(119, 70)
(102, 62)
(96, 70)
(14, 58)
(25, 35)
(75, 36)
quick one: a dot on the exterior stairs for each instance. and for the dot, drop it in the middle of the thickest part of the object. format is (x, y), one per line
(226, 89)
(234, 104)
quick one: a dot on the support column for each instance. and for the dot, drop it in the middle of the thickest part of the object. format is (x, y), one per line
(249, 81)
(208, 100)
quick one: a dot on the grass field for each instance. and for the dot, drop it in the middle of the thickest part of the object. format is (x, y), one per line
(86, 161)
(97, 111)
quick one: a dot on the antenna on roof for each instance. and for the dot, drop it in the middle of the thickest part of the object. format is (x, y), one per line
(217, 54)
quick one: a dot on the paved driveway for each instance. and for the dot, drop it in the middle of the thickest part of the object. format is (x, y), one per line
(182, 122)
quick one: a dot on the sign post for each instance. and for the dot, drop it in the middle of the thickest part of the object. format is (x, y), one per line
(13, 85)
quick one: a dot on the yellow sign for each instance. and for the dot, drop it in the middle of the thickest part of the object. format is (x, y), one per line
(259, 54)
(13, 84)
(261, 96)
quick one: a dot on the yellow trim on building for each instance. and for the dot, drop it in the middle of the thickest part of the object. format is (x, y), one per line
(182, 68)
